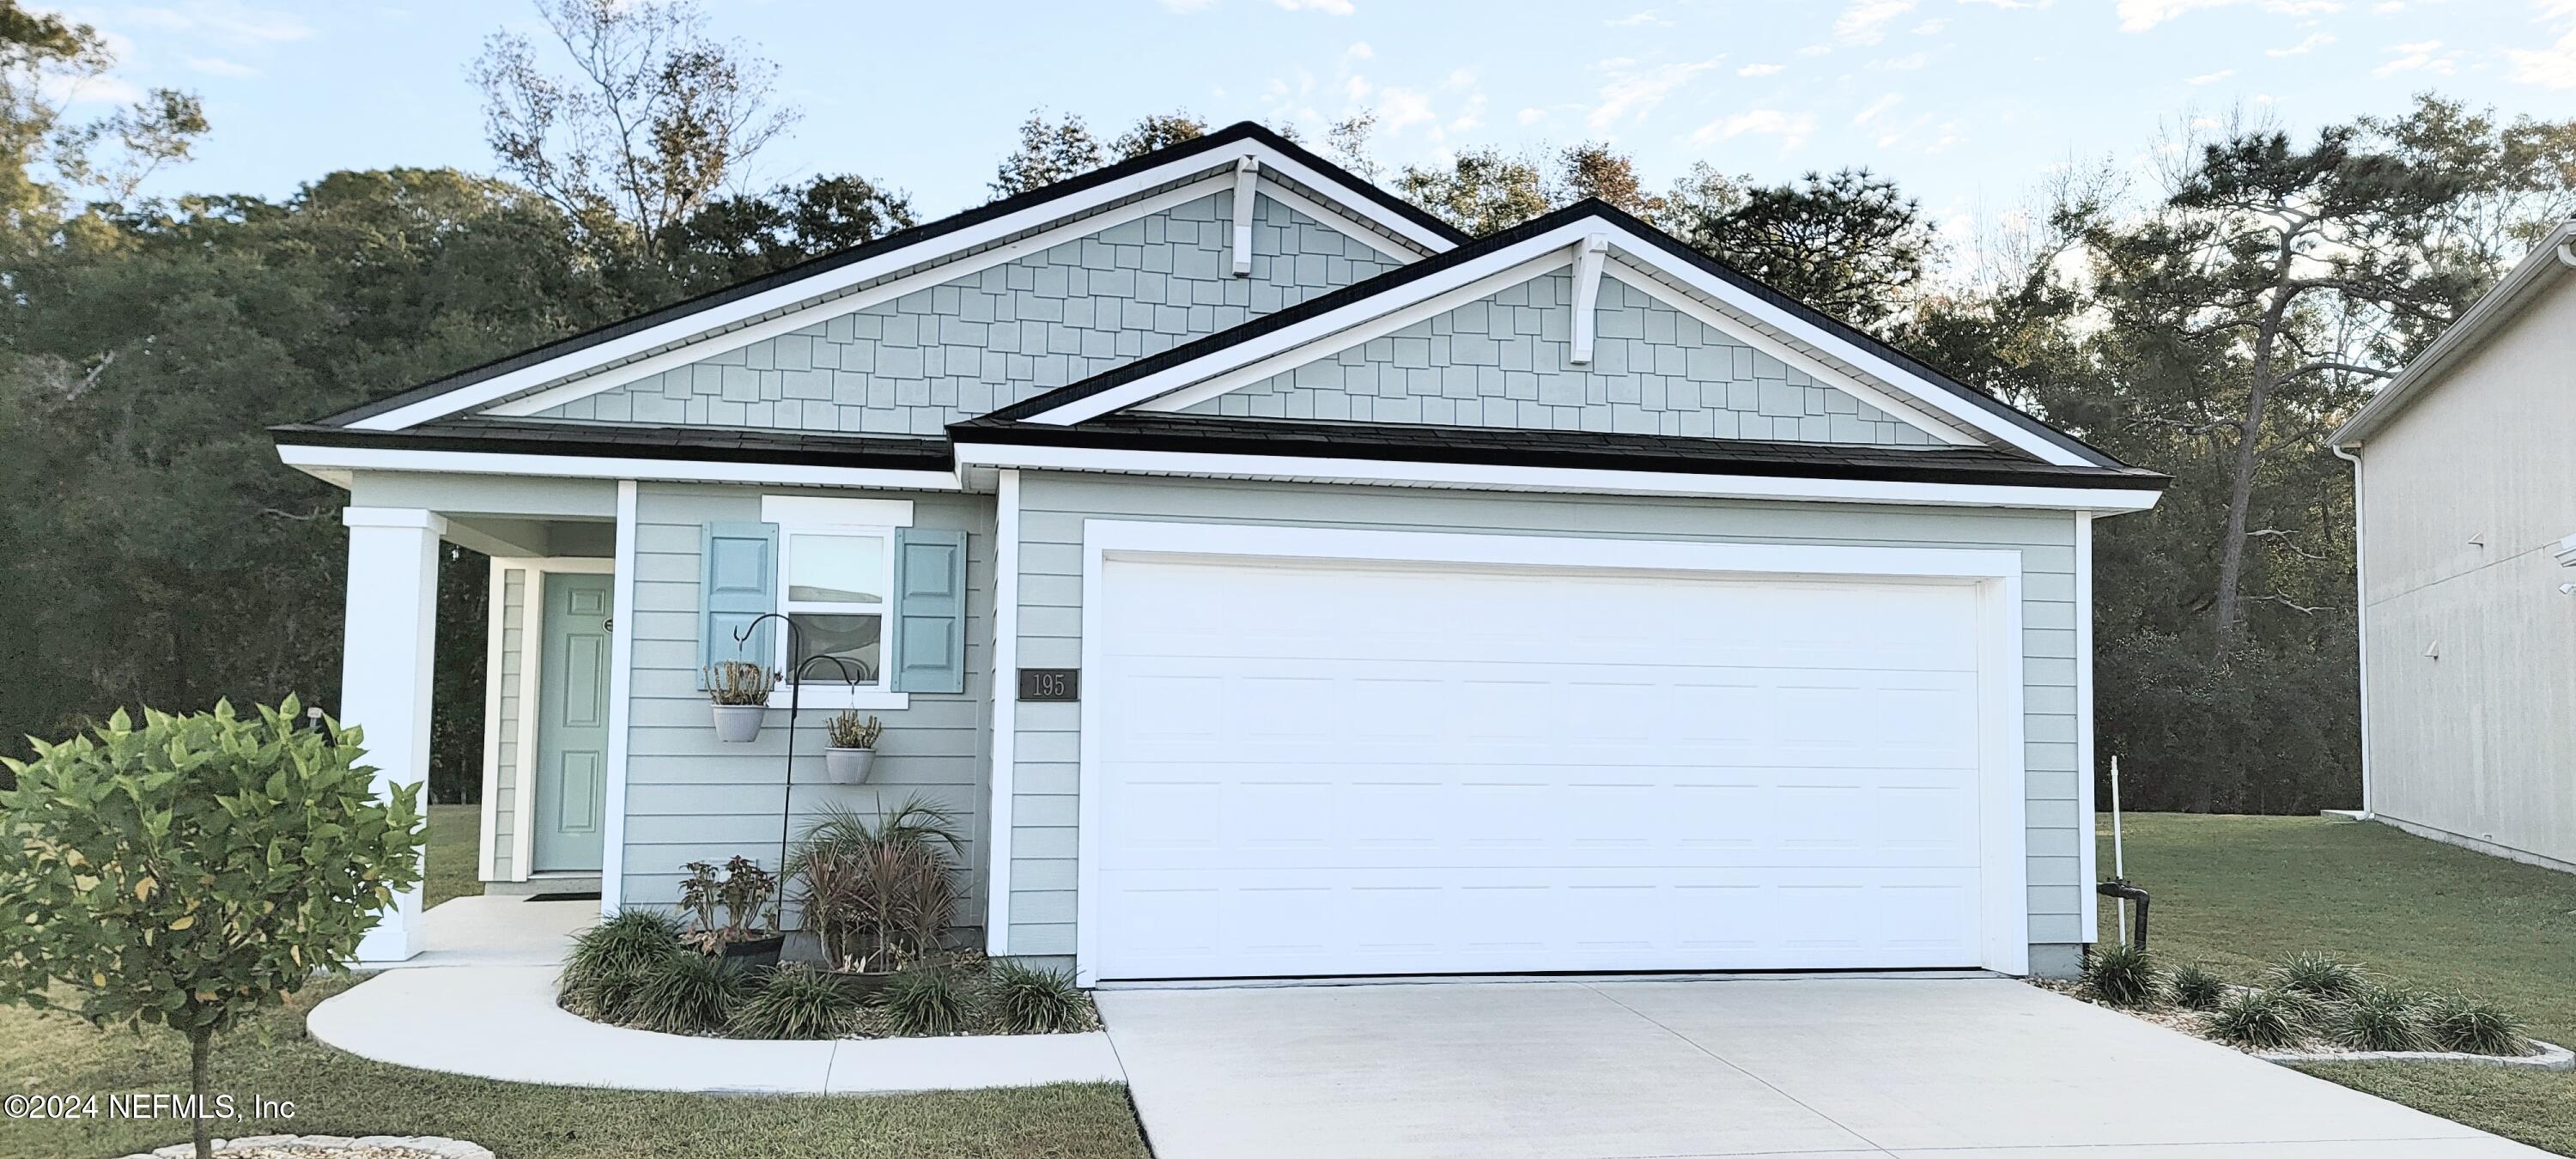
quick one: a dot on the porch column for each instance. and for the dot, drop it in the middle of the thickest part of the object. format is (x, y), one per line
(385, 659)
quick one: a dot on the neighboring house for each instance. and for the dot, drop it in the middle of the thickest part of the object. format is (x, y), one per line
(2465, 499)
(1361, 598)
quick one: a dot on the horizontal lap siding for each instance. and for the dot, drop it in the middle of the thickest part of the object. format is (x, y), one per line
(690, 797)
(505, 786)
(1054, 506)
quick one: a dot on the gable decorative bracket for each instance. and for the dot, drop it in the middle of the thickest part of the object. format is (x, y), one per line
(1246, 171)
(1589, 255)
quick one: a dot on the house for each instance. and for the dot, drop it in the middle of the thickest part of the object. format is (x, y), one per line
(2465, 505)
(1277, 582)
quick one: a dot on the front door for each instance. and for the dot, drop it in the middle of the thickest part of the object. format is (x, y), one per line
(572, 723)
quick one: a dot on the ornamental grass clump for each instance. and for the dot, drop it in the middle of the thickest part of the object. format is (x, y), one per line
(2379, 1018)
(2455, 1021)
(925, 1001)
(879, 890)
(685, 994)
(2261, 1019)
(796, 1001)
(1022, 999)
(2195, 987)
(610, 961)
(2317, 976)
(2122, 976)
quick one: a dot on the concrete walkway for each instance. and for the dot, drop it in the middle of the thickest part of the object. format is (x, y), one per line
(1920, 1069)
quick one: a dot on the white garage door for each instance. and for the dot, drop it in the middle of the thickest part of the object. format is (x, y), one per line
(1392, 769)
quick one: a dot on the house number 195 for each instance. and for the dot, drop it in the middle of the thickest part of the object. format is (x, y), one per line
(1050, 684)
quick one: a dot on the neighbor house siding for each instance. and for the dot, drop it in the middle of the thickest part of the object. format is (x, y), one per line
(1046, 766)
(1505, 361)
(513, 611)
(2465, 497)
(914, 364)
(690, 797)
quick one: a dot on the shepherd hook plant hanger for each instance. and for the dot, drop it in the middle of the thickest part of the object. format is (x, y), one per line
(795, 704)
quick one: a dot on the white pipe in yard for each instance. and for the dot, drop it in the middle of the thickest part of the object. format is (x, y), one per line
(2119, 855)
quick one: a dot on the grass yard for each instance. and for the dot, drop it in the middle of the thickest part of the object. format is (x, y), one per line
(2238, 893)
(338, 1093)
(455, 854)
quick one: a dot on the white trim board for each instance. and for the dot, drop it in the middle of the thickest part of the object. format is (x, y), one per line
(1997, 574)
(1556, 247)
(1006, 719)
(494, 614)
(794, 295)
(621, 688)
(323, 462)
(2087, 845)
(1566, 480)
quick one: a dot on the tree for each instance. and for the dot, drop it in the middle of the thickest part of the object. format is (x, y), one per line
(43, 159)
(2271, 268)
(194, 871)
(1849, 244)
(1594, 169)
(1157, 131)
(655, 120)
(735, 238)
(1479, 191)
(1052, 151)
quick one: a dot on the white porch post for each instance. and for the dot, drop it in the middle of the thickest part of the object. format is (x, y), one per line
(385, 659)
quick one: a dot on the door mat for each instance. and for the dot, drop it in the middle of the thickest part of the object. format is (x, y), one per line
(590, 896)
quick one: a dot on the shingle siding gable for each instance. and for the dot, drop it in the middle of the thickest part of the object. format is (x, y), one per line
(914, 364)
(1503, 362)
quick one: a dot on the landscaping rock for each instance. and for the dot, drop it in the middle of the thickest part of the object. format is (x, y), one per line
(330, 1147)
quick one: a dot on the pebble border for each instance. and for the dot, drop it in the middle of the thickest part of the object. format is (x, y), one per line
(431, 1144)
(2550, 1057)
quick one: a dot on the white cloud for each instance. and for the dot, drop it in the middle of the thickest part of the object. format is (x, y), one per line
(95, 90)
(2314, 42)
(1333, 7)
(2012, 3)
(1532, 116)
(1876, 108)
(1398, 108)
(2552, 66)
(1760, 70)
(1186, 7)
(2141, 15)
(2423, 55)
(1648, 18)
(1791, 128)
(1632, 92)
(224, 20)
(1906, 63)
(2210, 77)
(1359, 50)
(1931, 27)
(1866, 21)
(218, 66)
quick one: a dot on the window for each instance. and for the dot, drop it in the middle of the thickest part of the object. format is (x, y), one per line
(836, 561)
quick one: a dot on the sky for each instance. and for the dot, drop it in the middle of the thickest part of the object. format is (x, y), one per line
(1968, 104)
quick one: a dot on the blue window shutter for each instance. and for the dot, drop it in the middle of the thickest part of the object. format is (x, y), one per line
(930, 610)
(737, 582)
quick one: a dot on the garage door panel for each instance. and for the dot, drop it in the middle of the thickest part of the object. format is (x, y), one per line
(1410, 769)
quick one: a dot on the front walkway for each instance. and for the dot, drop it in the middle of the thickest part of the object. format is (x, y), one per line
(1919, 1069)
(485, 1009)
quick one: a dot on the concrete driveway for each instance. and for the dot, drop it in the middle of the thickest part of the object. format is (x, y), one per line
(1962, 1068)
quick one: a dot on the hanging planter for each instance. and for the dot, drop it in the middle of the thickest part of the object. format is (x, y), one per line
(851, 748)
(740, 690)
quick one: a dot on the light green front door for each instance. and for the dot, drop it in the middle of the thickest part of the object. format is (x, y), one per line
(572, 723)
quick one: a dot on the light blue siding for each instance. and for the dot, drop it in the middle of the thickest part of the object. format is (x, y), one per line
(1503, 362)
(690, 797)
(512, 608)
(914, 364)
(1054, 506)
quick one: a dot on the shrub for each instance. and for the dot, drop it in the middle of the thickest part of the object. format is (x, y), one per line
(194, 870)
(2122, 976)
(609, 961)
(878, 891)
(795, 1001)
(2455, 1021)
(2262, 1019)
(924, 1000)
(2317, 976)
(1022, 999)
(2380, 1018)
(684, 994)
(2196, 988)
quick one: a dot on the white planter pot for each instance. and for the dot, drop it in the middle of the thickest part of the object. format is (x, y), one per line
(737, 723)
(848, 766)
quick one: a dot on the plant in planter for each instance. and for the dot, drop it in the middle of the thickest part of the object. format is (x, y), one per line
(740, 690)
(878, 891)
(850, 747)
(742, 893)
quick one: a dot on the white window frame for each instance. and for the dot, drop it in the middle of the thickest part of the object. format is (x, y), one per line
(816, 515)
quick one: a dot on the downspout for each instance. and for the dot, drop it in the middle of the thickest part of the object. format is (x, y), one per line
(2361, 606)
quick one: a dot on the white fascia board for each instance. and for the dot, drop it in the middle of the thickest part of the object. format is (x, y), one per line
(931, 250)
(317, 461)
(1569, 480)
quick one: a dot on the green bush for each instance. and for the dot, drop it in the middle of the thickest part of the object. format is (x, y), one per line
(1022, 999)
(609, 959)
(795, 1001)
(685, 994)
(2318, 976)
(2196, 988)
(2122, 976)
(2262, 1019)
(924, 1000)
(194, 870)
(2380, 1018)
(2455, 1021)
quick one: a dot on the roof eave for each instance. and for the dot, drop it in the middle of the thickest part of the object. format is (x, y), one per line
(2495, 308)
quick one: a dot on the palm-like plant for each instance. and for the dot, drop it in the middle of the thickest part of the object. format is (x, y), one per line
(878, 890)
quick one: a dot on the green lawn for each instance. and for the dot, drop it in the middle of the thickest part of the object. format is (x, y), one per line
(2237, 893)
(455, 853)
(338, 1093)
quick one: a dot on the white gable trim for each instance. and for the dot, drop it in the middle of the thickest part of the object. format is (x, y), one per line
(1217, 171)
(1939, 412)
